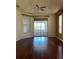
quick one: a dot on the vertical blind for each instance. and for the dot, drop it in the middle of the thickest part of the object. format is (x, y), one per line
(60, 24)
(40, 28)
(26, 23)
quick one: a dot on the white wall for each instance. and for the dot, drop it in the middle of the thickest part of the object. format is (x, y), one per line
(51, 26)
(19, 27)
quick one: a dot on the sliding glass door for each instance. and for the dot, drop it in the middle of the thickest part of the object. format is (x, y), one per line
(40, 28)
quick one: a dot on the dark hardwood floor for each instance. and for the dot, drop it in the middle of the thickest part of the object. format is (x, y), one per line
(39, 48)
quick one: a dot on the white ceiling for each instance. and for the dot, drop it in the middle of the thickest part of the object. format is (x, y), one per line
(29, 6)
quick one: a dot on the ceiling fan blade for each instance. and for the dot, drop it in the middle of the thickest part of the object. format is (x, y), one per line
(17, 6)
(37, 6)
(43, 7)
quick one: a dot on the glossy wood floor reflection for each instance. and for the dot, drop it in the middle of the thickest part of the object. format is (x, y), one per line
(39, 48)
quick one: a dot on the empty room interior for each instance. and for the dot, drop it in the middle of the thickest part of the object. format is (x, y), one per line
(39, 29)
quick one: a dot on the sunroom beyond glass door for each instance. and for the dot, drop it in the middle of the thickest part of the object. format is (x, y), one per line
(40, 28)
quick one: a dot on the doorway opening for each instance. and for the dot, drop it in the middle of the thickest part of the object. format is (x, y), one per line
(40, 28)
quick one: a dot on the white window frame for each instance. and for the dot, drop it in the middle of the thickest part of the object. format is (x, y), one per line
(60, 23)
(26, 24)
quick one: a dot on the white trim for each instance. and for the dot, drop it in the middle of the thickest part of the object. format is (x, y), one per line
(59, 39)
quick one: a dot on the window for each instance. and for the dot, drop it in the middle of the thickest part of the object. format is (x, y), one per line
(60, 23)
(40, 28)
(26, 23)
(40, 25)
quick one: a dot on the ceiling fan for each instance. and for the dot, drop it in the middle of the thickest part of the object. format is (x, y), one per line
(41, 8)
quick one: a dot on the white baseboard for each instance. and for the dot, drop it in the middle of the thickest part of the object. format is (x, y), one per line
(59, 39)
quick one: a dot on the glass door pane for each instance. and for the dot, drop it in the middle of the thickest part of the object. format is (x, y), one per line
(40, 28)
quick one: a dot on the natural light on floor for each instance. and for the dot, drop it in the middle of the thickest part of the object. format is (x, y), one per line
(40, 44)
